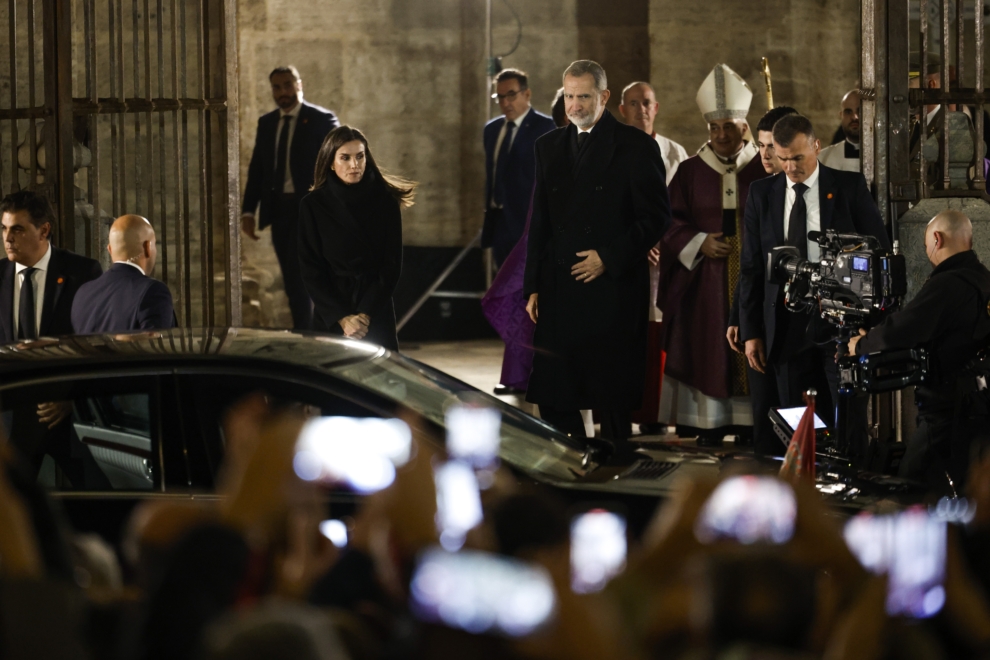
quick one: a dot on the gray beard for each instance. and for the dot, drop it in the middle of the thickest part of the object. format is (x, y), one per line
(589, 121)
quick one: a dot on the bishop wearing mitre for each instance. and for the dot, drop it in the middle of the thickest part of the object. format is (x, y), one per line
(705, 388)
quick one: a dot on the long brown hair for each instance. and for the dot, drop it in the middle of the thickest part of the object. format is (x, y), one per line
(402, 189)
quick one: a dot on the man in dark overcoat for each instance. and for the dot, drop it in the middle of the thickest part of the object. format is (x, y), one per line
(600, 205)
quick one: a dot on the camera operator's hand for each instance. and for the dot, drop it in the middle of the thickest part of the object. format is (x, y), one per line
(756, 354)
(855, 340)
(713, 248)
(732, 336)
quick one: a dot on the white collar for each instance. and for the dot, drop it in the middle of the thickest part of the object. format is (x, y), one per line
(292, 113)
(852, 144)
(731, 160)
(131, 263)
(518, 121)
(592, 127)
(42, 263)
(811, 181)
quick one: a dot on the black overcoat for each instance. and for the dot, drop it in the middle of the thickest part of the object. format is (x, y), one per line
(590, 338)
(351, 264)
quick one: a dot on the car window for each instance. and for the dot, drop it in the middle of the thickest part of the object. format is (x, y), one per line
(206, 397)
(527, 443)
(87, 435)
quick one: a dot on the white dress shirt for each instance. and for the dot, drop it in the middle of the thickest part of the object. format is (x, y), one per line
(38, 278)
(288, 187)
(132, 265)
(813, 202)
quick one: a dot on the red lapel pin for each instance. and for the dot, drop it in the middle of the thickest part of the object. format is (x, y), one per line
(829, 195)
(61, 280)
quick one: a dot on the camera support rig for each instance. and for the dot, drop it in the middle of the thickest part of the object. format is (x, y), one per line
(855, 283)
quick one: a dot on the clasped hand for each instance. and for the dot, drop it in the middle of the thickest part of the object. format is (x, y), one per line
(355, 326)
(713, 248)
(589, 268)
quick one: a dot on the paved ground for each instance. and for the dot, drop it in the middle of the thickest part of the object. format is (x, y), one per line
(477, 363)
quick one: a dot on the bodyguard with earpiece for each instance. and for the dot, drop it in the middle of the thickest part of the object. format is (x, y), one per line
(951, 318)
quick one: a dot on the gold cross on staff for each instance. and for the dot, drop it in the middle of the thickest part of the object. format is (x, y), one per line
(766, 76)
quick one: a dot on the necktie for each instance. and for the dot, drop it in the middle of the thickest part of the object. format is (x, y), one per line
(281, 160)
(797, 224)
(582, 137)
(498, 194)
(26, 322)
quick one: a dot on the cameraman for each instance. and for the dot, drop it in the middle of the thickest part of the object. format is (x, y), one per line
(949, 317)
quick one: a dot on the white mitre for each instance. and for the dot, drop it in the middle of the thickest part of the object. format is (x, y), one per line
(724, 95)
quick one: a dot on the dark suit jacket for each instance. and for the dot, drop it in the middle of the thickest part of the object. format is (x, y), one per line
(122, 299)
(520, 169)
(846, 206)
(66, 273)
(590, 339)
(313, 125)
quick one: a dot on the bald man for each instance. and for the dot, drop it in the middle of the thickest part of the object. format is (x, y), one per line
(949, 317)
(125, 297)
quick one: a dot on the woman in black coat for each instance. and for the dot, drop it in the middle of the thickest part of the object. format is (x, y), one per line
(350, 240)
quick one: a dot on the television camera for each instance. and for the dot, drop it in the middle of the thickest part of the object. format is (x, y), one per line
(854, 284)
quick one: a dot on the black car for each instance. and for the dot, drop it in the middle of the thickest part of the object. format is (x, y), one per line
(147, 411)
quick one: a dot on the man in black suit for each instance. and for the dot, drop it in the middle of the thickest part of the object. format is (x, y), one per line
(38, 283)
(781, 210)
(600, 205)
(125, 297)
(281, 172)
(55, 275)
(510, 162)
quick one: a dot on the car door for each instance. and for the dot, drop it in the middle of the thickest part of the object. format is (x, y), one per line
(206, 393)
(114, 440)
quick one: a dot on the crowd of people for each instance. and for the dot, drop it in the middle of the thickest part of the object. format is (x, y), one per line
(251, 575)
(632, 283)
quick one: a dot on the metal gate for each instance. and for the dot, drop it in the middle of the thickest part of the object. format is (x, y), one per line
(129, 106)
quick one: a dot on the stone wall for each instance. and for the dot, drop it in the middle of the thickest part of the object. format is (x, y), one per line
(813, 48)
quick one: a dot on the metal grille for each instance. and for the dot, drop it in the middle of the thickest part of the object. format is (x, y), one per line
(126, 106)
(648, 470)
(893, 113)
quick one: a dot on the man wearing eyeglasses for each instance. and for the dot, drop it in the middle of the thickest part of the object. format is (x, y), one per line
(510, 162)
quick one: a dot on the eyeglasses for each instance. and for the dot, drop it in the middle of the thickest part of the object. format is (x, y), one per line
(511, 96)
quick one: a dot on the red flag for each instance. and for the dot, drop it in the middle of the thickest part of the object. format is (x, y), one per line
(800, 458)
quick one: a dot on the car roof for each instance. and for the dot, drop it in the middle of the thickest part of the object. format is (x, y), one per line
(304, 349)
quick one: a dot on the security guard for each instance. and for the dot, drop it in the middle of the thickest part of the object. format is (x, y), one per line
(949, 317)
